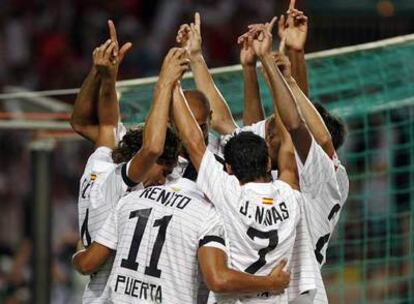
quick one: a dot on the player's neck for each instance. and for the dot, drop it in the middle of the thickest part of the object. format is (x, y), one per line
(264, 179)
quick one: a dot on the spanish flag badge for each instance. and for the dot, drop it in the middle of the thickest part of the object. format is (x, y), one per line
(267, 201)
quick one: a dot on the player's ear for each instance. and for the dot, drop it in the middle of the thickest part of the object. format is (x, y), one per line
(228, 169)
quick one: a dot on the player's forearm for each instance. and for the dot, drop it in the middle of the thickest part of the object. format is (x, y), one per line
(81, 261)
(312, 118)
(84, 119)
(108, 106)
(299, 70)
(190, 132)
(222, 120)
(232, 281)
(154, 133)
(284, 103)
(283, 100)
(253, 108)
(157, 119)
(84, 111)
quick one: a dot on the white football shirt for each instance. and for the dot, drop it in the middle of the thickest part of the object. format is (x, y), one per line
(156, 233)
(101, 186)
(260, 222)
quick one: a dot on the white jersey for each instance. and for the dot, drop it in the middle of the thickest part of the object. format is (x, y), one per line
(260, 223)
(156, 233)
(102, 185)
(325, 185)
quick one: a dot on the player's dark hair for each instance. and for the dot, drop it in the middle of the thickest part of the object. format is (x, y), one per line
(336, 126)
(132, 142)
(248, 156)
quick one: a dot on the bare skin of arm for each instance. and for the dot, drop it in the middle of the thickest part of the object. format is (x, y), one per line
(88, 261)
(188, 129)
(174, 65)
(107, 61)
(293, 30)
(252, 107)
(313, 120)
(84, 120)
(283, 99)
(221, 279)
(189, 36)
(286, 156)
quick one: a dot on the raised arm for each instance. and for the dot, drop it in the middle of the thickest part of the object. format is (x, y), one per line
(190, 132)
(107, 59)
(173, 67)
(84, 119)
(253, 109)
(294, 30)
(283, 100)
(312, 118)
(190, 37)
(220, 278)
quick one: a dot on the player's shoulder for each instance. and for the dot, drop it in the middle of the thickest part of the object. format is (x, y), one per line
(99, 161)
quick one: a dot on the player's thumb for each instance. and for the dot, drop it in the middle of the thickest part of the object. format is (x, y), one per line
(282, 264)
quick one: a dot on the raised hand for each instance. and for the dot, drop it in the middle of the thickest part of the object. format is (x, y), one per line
(189, 36)
(280, 277)
(247, 54)
(118, 52)
(293, 29)
(262, 37)
(175, 63)
(283, 64)
(103, 59)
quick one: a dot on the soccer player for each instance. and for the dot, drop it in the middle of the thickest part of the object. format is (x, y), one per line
(318, 180)
(103, 183)
(160, 235)
(261, 215)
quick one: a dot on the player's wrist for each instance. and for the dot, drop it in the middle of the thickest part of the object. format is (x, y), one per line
(196, 57)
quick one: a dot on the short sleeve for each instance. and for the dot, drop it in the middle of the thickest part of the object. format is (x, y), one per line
(111, 188)
(212, 232)
(214, 181)
(317, 171)
(258, 128)
(108, 234)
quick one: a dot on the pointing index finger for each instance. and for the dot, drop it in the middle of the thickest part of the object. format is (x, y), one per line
(197, 20)
(112, 31)
(292, 4)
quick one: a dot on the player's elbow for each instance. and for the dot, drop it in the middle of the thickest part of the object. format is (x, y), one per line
(152, 150)
(294, 125)
(218, 283)
(82, 264)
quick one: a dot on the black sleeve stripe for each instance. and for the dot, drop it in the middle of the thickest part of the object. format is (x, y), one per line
(211, 238)
(130, 183)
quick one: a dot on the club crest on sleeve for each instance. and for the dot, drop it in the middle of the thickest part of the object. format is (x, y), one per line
(175, 189)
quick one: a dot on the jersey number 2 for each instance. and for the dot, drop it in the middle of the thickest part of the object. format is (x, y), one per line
(130, 262)
(273, 238)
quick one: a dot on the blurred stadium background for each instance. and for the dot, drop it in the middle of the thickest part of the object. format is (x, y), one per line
(46, 45)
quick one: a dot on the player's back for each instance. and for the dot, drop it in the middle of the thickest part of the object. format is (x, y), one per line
(260, 220)
(159, 230)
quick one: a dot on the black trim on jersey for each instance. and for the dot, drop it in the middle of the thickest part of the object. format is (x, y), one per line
(190, 172)
(129, 182)
(211, 238)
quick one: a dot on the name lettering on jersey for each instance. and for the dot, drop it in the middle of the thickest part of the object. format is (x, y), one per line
(138, 289)
(170, 198)
(265, 215)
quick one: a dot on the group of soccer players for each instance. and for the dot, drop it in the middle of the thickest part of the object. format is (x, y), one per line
(167, 215)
